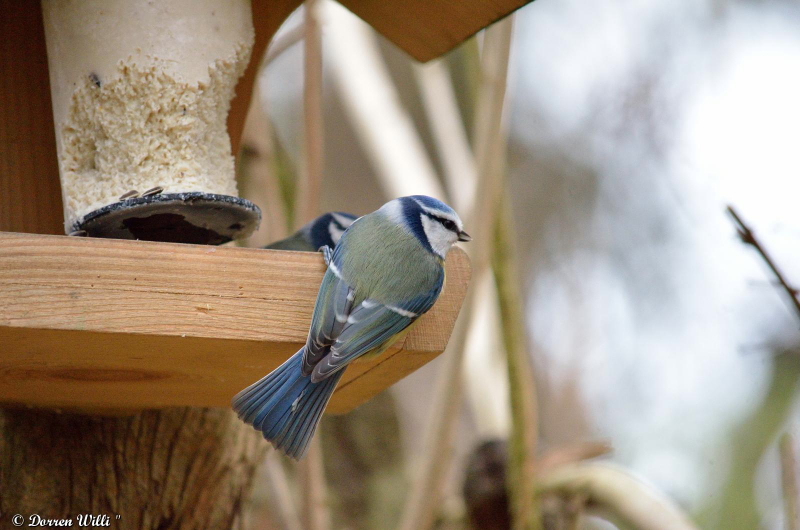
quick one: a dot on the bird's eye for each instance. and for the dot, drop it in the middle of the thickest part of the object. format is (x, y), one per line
(450, 225)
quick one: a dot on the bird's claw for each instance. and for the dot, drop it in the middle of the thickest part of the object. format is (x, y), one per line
(327, 254)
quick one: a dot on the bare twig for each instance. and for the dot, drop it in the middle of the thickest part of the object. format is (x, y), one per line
(747, 237)
(613, 491)
(791, 491)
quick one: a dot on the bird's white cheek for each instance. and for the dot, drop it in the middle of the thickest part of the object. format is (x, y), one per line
(439, 238)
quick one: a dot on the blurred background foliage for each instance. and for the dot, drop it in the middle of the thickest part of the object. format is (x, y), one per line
(650, 326)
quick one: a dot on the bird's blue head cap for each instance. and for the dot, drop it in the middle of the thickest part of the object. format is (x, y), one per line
(435, 224)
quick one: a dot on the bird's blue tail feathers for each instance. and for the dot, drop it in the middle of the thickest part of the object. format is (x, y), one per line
(286, 406)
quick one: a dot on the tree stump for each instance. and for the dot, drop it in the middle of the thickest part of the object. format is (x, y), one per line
(182, 467)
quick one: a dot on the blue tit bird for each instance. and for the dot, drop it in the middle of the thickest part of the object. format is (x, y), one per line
(324, 231)
(386, 272)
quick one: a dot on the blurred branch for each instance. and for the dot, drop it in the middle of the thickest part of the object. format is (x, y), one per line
(424, 496)
(612, 490)
(748, 237)
(566, 511)
(791, 492)
(371, 101)
(280, 493)
(258, 180)
(312, 482)
(737, 506)
(434, 464)
(465, 70)
(428, 478)
(571, 454)
(282, 42)
(521, 380)
(449, 133)
(574, 510)
(485, 369)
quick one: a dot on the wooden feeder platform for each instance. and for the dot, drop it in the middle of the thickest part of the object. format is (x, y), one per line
(105, 325)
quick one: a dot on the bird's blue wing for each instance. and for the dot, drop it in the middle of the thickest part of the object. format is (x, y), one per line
(334, 304)
(369, 326)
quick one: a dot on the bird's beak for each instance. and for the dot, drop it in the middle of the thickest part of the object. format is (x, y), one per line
(463, 236)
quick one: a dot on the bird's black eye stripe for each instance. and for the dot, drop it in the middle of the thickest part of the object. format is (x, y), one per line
(447, 223)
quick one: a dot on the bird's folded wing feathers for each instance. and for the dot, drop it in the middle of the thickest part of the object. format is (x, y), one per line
(371, 328)
(371, 325)
(334, 304)
(341, 331)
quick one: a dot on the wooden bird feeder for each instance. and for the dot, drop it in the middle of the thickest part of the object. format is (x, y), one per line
(109, 324)
(117, 326)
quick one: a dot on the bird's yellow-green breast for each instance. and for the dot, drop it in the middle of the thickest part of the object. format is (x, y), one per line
(383, 261)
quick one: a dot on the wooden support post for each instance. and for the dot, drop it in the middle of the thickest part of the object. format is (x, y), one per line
(30, 192)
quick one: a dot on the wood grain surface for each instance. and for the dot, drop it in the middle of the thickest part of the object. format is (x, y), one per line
(111, 324)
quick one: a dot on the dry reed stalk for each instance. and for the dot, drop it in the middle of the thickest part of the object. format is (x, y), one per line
(453, 146)
(312, 472)
(310, 189)
(521, 475)
(424, 497)
(482, 367)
